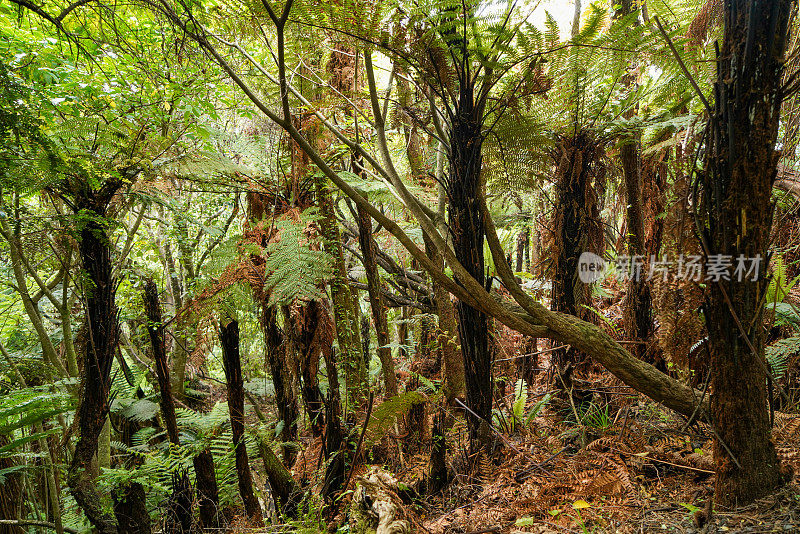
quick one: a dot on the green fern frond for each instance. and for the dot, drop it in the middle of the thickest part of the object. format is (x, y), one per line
(294, 270)
(780, 353)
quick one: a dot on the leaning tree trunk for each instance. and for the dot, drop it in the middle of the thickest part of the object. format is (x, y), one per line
(179, 514)
(740, 169)
(577, 229)
(102, 318)
(232, 364)
(467, 226)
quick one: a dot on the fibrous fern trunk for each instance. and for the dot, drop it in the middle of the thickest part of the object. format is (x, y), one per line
(303, 325)
(179, 516)
(277, 351)
(232, 364)
(740, 168)
(102, 318)
(577, 229)
(10, 488)
(467, 226)
(637, 314)
(130, 500)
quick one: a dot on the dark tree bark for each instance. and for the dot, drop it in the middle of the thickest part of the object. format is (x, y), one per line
(637, 313)
(10, 490)
(130, 501)
(278, 357)
(229, 339)
(303, 329)
(130, 509)
(577, 229)
(179, 516)
(207, 490)
(467, 227)
(155, 328)
(741, 165)
(103, 336)
(278, 344)
(334, 444)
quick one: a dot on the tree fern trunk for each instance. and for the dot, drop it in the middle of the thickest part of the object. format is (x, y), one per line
(179, 516)
(467, 227)
(102, 318)
(130, 501)
(637, 313)
(577, 230)
(301, 324)
(10, 492)
(207, 490)
(278, 349)
(229, 339)
(737, 186)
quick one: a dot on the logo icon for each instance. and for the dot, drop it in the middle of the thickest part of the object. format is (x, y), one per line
(590, 267)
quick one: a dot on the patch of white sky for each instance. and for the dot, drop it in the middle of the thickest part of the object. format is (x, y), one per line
(535, 11)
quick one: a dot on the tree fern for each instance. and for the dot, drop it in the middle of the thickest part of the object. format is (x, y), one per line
(293, 270)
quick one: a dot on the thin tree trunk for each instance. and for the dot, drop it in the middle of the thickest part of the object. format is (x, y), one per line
(527, 364)
(348, 331)
(229, 339)
(376, 302)
(447, 334)
(737, 185)
(179, 515)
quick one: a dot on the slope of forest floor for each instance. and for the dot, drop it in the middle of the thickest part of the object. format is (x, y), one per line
(609, 461)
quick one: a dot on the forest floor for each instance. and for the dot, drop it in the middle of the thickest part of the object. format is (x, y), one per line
(618, 464)
(611, 461)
